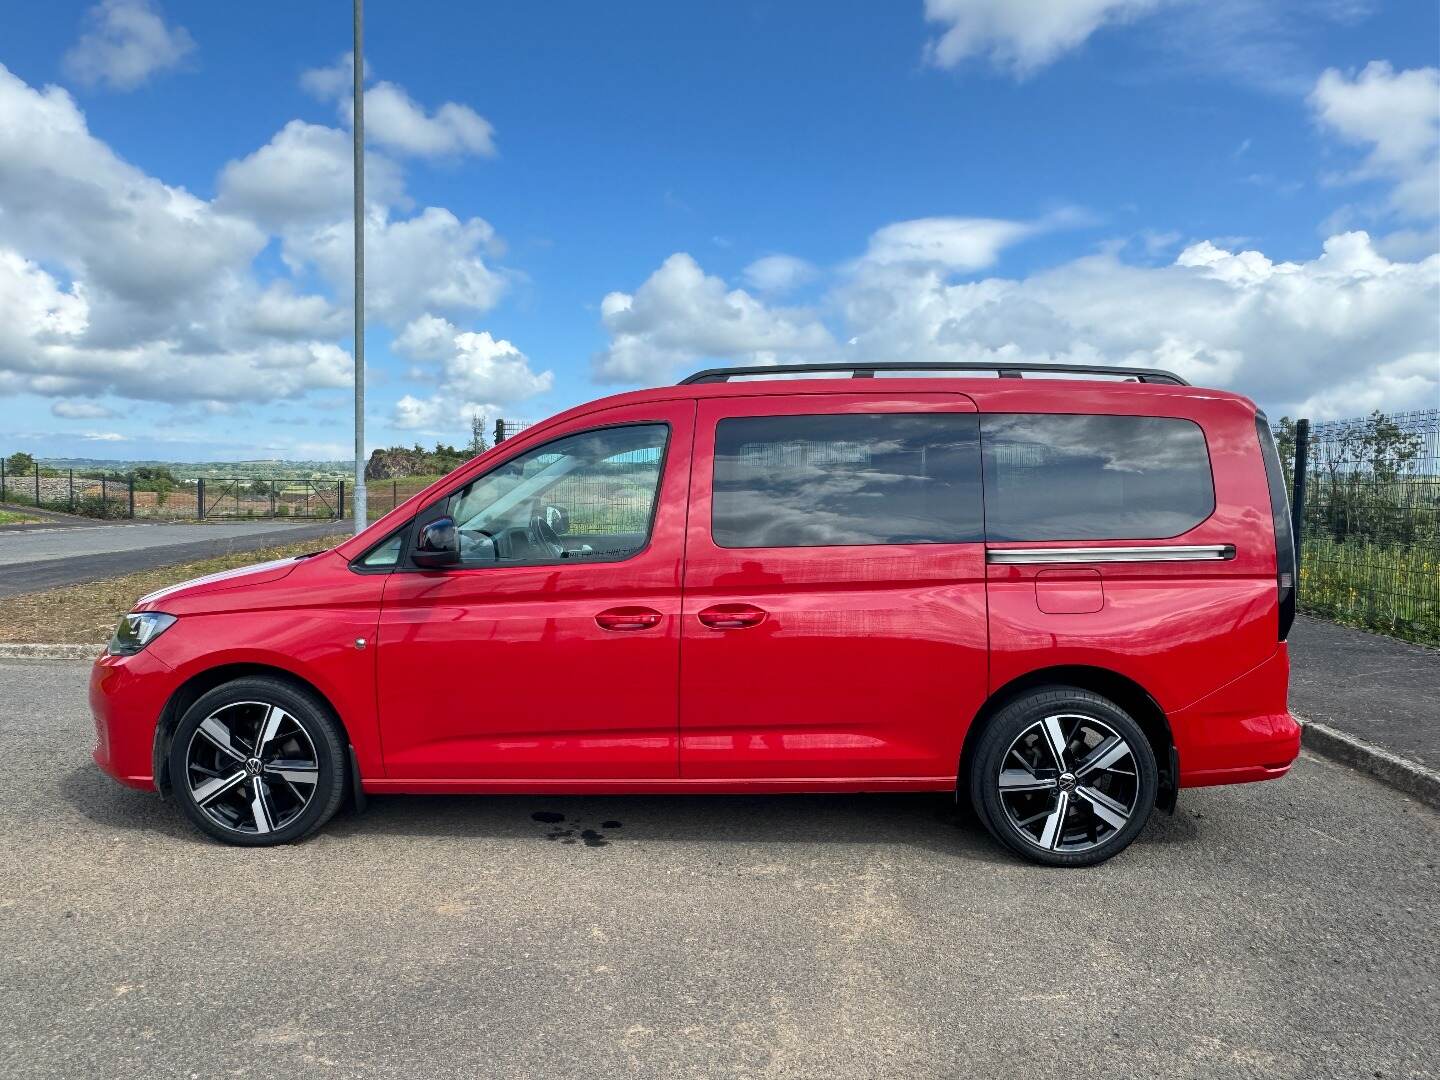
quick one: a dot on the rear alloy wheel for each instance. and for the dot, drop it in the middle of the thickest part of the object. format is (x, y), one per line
(256, 762)
(1064, 777)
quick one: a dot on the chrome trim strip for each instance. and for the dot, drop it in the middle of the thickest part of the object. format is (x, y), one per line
(1151, 553)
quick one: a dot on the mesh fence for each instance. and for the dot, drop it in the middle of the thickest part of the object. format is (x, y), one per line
(1370, 538)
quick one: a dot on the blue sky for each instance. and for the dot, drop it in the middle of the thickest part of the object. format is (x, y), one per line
(568, 201)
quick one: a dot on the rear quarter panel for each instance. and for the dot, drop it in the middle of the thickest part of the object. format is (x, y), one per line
(1178, 629)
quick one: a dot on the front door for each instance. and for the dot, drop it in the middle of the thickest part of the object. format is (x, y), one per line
(834, 614)
(551, 651)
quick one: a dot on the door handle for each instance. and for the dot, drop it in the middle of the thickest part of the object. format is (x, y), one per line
(628, 618)
(731, 616)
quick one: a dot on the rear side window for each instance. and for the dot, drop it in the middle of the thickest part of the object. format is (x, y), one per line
(1078, 477)
(847, 479)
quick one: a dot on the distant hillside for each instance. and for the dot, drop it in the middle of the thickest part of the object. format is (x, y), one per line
(246, 470)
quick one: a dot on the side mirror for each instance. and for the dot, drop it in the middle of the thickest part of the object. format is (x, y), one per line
(558, 518)
(437, 545)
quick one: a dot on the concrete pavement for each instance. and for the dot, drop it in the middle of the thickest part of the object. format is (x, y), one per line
(1284, 929)
(1383, 691)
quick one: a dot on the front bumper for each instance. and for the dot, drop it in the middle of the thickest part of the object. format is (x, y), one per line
(127, 696)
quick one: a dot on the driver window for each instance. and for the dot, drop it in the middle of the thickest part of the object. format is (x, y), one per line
(587, 497)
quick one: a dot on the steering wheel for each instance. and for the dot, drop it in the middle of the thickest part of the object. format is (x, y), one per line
(544, 537)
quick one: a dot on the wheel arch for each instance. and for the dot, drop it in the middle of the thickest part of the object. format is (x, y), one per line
(1122, 690)
(201, 683)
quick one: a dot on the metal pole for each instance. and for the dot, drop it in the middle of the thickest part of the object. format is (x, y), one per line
(359, 94)
(200, 499)
(71, 502)
(1297, 497)
(37, 485)
(132, 496)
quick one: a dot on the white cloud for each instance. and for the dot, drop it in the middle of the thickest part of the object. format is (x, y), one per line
(281, 312)
(1349, 330)
(1396, 115)
(127, 41)
(81, 410)
(304, 175)
(114, 282)
(1280, 332)
(1020, 36)
(430, 262)
(680, 315)
(395, 120)
(951, 242)
(477, 373)
(776, 274)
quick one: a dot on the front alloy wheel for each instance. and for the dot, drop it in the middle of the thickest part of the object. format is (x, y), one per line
(251, 767)
(257, 761)
(1064, 777)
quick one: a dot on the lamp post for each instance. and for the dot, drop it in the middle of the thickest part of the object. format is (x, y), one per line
(360, 508)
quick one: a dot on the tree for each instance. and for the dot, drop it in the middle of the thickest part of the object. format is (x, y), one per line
(19, 462)
(1285, 446)
(477, 434)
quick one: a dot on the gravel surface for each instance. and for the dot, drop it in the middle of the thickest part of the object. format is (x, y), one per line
(1281, 930)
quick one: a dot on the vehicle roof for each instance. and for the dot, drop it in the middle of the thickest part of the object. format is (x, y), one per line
(1005, 394)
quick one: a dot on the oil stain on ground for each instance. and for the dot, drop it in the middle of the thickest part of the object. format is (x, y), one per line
(566, 832)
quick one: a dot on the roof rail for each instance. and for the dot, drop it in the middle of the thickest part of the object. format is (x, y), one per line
(1005, 371)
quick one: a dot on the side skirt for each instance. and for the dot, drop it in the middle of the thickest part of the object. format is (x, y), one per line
(775, 785)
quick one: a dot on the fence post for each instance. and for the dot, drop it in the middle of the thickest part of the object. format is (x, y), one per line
(71, 502)
(2, 479)
(104, 498)
(394, 493)
(1297, 497)
(340, 503)
(132, 496)
(200, 499)
(37, 485)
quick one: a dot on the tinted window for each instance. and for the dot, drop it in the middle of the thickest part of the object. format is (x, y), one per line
(586, 497)
(873, 478)
(1094, 477)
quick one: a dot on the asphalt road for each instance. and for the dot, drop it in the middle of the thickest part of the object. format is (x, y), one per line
(1383, 691)
(1279, 930)
(45, 557)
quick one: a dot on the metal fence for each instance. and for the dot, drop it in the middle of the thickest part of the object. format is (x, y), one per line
(198, 498)
(1366, 502)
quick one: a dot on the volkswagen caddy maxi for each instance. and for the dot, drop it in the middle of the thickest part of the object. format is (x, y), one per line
(1062, 593)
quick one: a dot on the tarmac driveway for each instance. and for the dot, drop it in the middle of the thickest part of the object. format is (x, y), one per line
(1282, 930)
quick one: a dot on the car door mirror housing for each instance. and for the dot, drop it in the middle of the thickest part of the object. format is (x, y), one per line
(437, 545)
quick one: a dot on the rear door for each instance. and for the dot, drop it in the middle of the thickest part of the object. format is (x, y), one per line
(833, 622)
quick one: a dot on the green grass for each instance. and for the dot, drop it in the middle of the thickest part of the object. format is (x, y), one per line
(10, 517)
(1391, 589)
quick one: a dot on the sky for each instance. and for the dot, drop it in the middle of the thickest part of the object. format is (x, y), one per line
(565, 201)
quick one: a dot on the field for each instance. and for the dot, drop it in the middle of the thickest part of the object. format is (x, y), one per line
(1386, 588)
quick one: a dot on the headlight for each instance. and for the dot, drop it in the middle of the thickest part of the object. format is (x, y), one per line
(137, 630)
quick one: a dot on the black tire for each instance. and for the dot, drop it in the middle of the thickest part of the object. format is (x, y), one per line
(1104, 809)
(305, 742)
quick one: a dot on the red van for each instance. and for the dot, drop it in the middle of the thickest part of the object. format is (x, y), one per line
(1063, 591)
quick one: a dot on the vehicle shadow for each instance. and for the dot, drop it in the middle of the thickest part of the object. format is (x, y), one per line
(932, 822)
